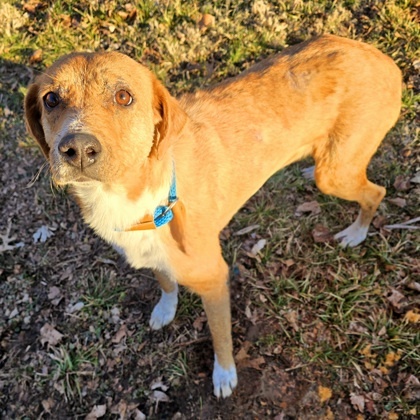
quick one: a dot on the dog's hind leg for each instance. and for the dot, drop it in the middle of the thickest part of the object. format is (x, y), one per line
(341, 171)
(164, 311)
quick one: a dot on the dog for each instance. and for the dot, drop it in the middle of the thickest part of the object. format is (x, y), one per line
(160, 177)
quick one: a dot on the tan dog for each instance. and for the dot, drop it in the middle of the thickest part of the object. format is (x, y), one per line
(114, 134)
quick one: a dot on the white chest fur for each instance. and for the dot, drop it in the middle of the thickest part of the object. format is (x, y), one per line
(109, 212)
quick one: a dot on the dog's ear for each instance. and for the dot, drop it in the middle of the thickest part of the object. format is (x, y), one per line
(32, 109)
(169, 119)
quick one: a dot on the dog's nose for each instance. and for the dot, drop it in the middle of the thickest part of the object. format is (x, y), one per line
(79, 149)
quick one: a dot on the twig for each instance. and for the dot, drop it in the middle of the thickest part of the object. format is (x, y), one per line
(405, 225)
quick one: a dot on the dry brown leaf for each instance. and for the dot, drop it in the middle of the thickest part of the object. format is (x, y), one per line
(48, 405)
(50, 335)
(414, 286)
(412, 317)
(312, 207)
(292, 318)
(55, 295)
(121, 334)
(199, 322)
(402, 183)
(391, 358)
(32, 6)
(253, 363)
(395, 299)
(65, 20)
(97, 412)
(379, 221)
(206, 21)
(400, 202)
(324, 393)
(36, 57)
(321, 234)
(358, 402)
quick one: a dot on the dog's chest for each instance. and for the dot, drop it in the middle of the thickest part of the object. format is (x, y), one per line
(110, 214)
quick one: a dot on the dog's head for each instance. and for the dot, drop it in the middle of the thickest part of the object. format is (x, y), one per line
(100, 116)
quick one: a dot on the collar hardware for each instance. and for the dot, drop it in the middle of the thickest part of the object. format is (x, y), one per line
(162, 214)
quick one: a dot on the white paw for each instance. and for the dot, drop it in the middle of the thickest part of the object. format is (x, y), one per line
(353, 235)
(309, 173)
(164, 311)
(224, 380)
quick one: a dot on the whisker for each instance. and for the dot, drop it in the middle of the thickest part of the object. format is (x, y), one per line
(36, 176)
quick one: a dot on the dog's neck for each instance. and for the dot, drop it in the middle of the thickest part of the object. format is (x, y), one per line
(115, 207)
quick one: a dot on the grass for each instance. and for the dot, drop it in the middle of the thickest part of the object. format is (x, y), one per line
(312, 312)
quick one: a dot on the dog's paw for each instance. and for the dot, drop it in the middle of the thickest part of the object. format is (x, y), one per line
(164, 311)
(224, 380)
(309, 173)
(353, 235)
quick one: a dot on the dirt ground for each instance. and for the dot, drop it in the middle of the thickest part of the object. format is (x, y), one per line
(319, 332)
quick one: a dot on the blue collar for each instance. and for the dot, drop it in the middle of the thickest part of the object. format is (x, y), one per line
(162, 215)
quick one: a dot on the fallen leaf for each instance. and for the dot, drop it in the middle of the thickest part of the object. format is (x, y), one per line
(309, 207)
(36, 57)
(75, 307)
(366, 351)
(379, 221)
(324, 393)
(356, 328)
(392, 415)
(395, 299)
(241, 355)
(97, 412)
(138, 415)
(55, 295)
(391, 358)
(253, 363)
(121, 333)
(400, 202)
(321, 234)
(32, 6)
(42, 234)
(292, 318)
(48, 404)
(159, 396)
(416, 178)
(412, 317)
(414, 286)
(199, 322)
(206, 21)
(246, 230)
(158, 384)
(358, 402)
(402, 183)
(50, 335)
(258, 247)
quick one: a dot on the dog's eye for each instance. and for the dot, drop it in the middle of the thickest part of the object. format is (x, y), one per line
(51, 100)
(122, 97)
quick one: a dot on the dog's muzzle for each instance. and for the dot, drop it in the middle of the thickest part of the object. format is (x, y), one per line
(79, 150)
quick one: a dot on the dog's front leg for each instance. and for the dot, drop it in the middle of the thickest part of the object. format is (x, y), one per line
(217, 306)
(164, 311)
